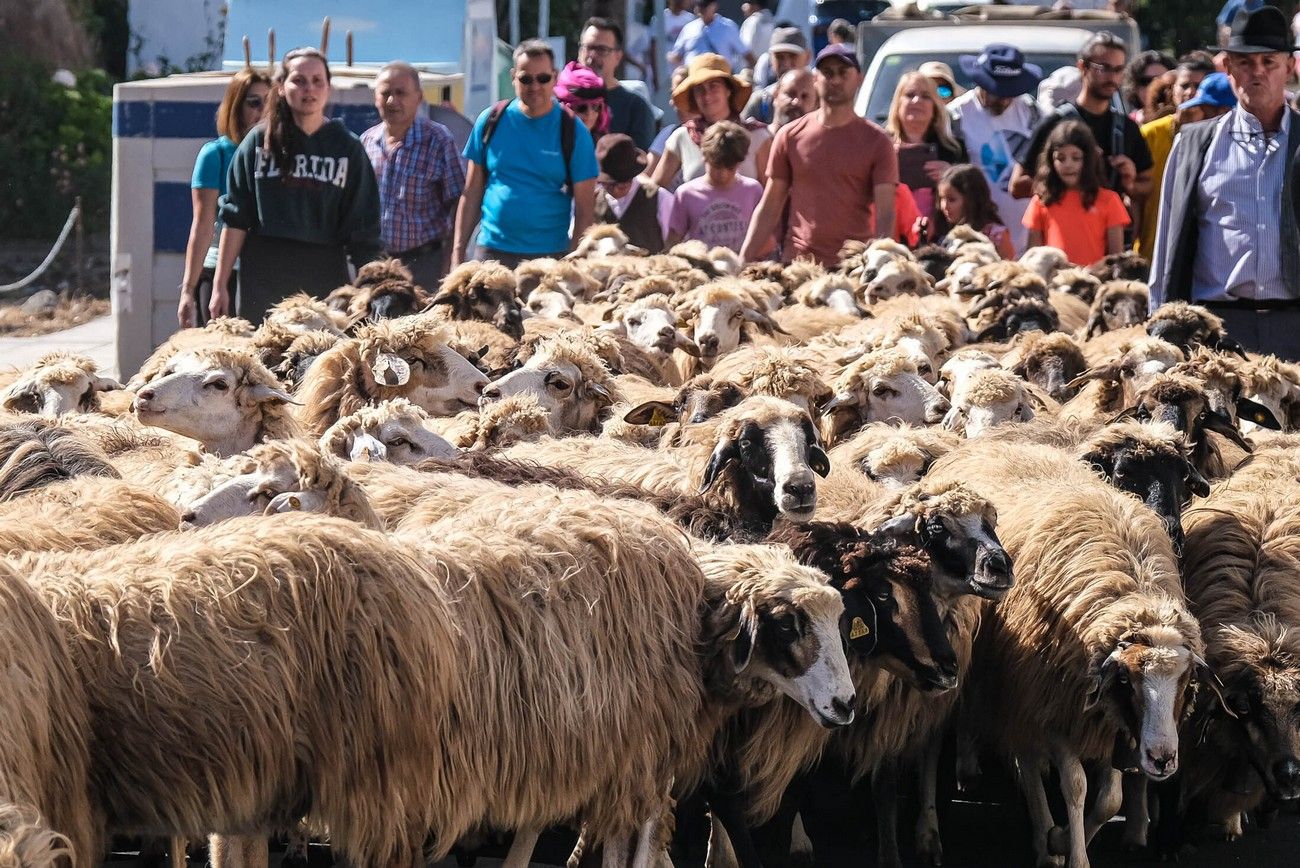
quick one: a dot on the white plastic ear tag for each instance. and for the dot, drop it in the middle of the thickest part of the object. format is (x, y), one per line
(391, 370)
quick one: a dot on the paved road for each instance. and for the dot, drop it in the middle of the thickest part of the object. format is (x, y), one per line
(95, 339)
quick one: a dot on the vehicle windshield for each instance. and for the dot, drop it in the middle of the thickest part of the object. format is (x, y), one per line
(893, 67)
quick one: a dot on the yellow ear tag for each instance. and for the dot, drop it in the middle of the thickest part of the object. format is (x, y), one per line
(858, 629)
(658, 419)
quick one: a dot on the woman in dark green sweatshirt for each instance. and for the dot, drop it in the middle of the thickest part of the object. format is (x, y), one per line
(301, 198)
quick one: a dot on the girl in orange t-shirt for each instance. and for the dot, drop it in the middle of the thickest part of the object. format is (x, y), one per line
(1071, 209)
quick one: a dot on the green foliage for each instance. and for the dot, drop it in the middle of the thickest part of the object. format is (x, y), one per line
(57, 145)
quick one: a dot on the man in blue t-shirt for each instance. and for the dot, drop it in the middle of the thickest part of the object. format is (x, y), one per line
(515, 189)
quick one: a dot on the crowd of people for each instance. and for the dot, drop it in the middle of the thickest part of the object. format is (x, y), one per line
(1188, 161)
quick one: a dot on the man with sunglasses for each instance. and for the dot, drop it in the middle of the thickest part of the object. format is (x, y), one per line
(419, 173)
(532, 171)
(601, 50)
(1101, 64)
(1228, 235)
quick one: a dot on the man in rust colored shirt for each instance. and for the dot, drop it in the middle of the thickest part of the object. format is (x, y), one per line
(834, 168)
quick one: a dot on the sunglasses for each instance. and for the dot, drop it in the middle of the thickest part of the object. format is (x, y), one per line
(944, 91)
(254, 101)
(527, 80)
(600, 50)
(583, 108)
(1098, 66)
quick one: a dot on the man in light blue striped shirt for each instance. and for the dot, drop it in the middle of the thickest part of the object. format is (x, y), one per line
(1228, 235)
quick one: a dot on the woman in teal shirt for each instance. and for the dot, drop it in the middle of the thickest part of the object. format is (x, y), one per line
(241, 109)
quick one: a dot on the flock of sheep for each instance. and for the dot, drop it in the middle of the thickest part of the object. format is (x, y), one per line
(600, 542)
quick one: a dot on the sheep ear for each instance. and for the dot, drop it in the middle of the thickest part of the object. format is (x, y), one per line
(843, 399)
(818, 460)
(764, 322)
(598, 391)
(261, 393)
(1096, 324)
(1196, 483)
(1100, 462)
(954, 419)
(446, 296)
(1253, 411)
(391, 370)
(651, 413)
(901, 527)
(1205, 675)
(742, 649)
(1221, 424)
(365, 447)
(106, 384)
(1122, 415)
(687, 345)
(24, 400)
(1101, 372)
(1103, 680)
(723, 453)
(1224, 344)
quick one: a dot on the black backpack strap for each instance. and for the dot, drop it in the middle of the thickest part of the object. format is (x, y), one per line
(490, 127)
(568, 134)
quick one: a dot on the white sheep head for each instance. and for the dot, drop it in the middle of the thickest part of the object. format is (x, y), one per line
(277, 477)
(651, 324)
(567, 378)
(881, 386)
(988, 398)
(58, 383)
(225, 399)
(394, 431)
(718, 311)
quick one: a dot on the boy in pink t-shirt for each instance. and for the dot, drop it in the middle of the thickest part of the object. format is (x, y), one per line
(716, 208)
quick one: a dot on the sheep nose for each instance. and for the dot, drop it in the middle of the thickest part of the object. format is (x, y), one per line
(708, 344)
(937, 409)
(481, 386)
(801, 491)
(145, 394)
(667, 331)
(1162, 763)
(491, 392)
(189, 517)
(1287, 774)
(843, 708)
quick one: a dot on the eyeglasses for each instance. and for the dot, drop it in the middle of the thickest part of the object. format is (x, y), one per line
(528, 80)
(601, 50)
(583, 108)
(1098, 66)
(254, 101)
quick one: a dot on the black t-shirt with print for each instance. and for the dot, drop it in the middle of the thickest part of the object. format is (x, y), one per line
(1135, 147)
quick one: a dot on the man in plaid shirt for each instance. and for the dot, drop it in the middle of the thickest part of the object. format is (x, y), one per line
(419, 172)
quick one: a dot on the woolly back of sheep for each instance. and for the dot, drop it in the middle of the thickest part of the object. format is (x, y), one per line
(579, 661)
(244, 675)
(36, 453)
(44, 738)
(84, 513)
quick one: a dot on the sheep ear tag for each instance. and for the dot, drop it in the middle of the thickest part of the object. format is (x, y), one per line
(391, 370)
(858, 629)
(658, 418)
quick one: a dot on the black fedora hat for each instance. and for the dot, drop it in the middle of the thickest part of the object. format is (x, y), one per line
(1258, 31)
(619, 158)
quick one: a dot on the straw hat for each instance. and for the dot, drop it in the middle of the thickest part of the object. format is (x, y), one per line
(706, 67)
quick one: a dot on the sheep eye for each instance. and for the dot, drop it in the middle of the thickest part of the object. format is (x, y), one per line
(924, 369)
(882, 391)
(399, 442)
(219, 385)
(787, 626)
(558, 383)
(634, 320)
(882, 596)
(736, 316)
(415, 361)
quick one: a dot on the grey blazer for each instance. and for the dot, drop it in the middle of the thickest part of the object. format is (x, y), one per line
(1178, 229)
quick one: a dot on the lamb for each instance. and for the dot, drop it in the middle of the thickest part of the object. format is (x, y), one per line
(883, 385)
(59, 382)
(755, 461)
(988, 398)
(393, 430)
(225, 399)
(893, 456)
(604, 239)
(895, 278)
(400, 358)
(568, 379)
(1077, 282)
(1117, 304)
(1093, 643)
(484, 291)
(283, 476)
